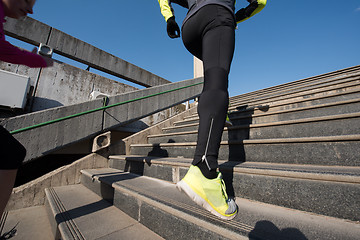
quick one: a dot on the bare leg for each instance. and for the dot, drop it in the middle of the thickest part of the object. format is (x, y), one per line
(7, 180)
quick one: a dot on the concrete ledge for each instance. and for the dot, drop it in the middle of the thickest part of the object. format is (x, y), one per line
(33, 193)
(34, 32)
(136, 105)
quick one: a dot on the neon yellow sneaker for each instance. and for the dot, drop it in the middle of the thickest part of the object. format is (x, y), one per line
(208, 193)
(228, 122)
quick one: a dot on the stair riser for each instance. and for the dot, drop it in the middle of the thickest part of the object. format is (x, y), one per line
(100, 188)
(163, 172)
(321, 197)
(318, 153)
(174, 138)
(189, 121)
(181, 129)
(338, 127)
(327, 198)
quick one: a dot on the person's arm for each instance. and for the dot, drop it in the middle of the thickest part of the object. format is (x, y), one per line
(167, 11)
(254, 7)
(12, 54)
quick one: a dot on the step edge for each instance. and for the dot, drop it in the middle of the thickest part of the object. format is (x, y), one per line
(68, 226)
(300, 175)
(338, 138)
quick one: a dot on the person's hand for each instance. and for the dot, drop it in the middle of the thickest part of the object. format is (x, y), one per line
(240, 15)
(172, 28)
(246, 12)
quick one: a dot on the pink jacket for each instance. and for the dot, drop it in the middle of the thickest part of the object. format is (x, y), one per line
(12, 54)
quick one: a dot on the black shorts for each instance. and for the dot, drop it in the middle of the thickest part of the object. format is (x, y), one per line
(12, 152)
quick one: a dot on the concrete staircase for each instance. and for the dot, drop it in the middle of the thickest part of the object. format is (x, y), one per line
(291, 159)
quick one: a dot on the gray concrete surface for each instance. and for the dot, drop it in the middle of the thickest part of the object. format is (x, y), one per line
(32, 193)
(84, 213)
(45, 139)
(141, 137)
(328, 77)
(33, 223)
(159, 205)
(309, 188)
(35, 32)
(63, 85)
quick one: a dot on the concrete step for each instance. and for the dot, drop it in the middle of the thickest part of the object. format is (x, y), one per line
(333, 98)
(333, 150)
(317, 189)
(158, 205)
(78, 213)
(346, 90)
(31, 223)
(303, 82)
(271, 115)
(333, 125)
(307, 89)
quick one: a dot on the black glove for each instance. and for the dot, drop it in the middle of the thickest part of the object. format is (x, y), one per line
(240, 15)
(246, 12)
(172, 28)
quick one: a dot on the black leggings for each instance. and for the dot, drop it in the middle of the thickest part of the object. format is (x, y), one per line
(210, 36)
(12, 152)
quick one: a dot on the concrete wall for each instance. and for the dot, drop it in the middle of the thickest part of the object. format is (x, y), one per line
(48, 138)
(34, 32)
(63, 84)
(33, 193)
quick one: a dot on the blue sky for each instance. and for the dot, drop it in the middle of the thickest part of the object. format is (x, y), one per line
(287, 41)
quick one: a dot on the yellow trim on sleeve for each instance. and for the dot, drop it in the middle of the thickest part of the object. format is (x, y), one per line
(165, 9)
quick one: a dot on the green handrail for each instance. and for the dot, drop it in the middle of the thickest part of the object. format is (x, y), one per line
(97, 109)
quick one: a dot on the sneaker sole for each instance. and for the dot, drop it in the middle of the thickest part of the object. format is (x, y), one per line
(184, 187)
